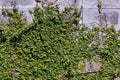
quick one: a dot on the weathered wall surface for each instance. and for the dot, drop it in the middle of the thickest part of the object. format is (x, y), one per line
(22, 5)
(110, 13)
(91, 17)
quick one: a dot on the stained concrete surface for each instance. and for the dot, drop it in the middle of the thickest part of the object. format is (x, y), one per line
(89, 66)
(108, 17)
(117, 78)
(22, 5)
(105, 4)
(17, 2)
(110, 11)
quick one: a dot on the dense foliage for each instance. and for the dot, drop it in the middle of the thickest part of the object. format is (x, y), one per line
(53, 45)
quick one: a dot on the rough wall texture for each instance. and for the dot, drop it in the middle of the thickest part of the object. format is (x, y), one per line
(91, 16)
(110, 13)
(22, 5)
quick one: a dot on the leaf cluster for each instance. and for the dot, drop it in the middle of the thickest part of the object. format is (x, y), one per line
(53, 45)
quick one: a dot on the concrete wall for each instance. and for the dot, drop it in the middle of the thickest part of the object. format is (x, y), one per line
(22, 5)
(91, 17)
(110, 11)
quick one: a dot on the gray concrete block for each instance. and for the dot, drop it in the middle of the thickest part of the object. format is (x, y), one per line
(89, 66)
(74, 3)
(105, 3)
(111, 3)
(17, 2)
(22, 5)
(78, 4)
(66, 3)
(92, 18)
(90, 3)
(27, 16)
(2, 18)
(117, 78)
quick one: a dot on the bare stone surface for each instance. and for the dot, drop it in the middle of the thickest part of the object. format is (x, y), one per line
(22, 5)
(117, 78)
(105, 3)
(17, 2)
(90, 66)
(62, 3)
(111, 3)
(108, 17)
(91, 17)
(27, 16)
(90, 3)
(66, 3)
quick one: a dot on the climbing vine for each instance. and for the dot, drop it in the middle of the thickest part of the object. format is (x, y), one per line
(53, 45)
(99, 6)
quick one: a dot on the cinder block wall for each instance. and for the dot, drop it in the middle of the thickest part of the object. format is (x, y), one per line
(22, 5)
(109, 15)
(110, 10)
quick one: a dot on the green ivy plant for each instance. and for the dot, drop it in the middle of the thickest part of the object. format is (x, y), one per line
(53, 45)
(99, 6)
